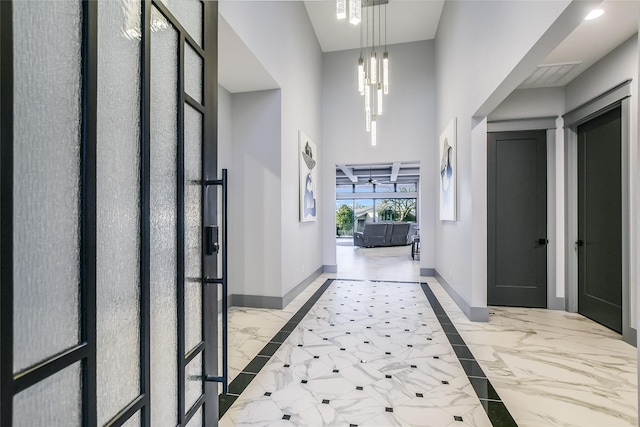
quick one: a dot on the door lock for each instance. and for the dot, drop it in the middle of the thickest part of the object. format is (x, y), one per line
(579, 243)
(213, 246)
(542, 241)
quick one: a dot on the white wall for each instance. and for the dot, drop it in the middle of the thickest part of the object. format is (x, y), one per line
(405, 130)
(618, 66)
(483, 50)
(281, 37)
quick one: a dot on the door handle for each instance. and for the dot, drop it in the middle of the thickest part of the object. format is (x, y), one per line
(542, 241)
(579, 243)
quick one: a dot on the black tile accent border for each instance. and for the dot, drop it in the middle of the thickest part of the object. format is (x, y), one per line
(243, 379)
(494, 407)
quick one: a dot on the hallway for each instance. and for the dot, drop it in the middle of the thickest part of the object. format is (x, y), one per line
(548, 367)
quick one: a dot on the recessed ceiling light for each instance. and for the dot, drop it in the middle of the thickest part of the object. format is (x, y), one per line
(595, 13)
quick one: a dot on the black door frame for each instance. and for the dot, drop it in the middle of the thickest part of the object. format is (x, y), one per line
(85, 351)
(618, 96)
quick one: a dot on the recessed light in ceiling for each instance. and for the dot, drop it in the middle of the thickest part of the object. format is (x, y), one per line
(594, 14)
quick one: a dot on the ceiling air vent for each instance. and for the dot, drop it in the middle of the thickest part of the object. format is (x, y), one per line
(549, 75)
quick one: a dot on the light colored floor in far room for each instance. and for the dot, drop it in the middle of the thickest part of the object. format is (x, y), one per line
(550, 368)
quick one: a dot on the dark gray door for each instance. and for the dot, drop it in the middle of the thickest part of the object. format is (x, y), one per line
(600, 220)
(517, 219)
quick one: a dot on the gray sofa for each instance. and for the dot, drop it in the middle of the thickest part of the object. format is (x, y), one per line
(385, 234)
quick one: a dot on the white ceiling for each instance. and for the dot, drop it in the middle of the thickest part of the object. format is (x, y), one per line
(407, 21)
(588, 43)
(414, 20)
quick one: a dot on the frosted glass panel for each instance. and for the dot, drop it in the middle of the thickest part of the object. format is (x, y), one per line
(193, 314)
(189, 13)
(133, 421)
(164, 136)
(193, 226)
(193, 382)
(53, 402)
(193, 190)
(47, 114)
(192, 73)
(118, 207)
(196, 420)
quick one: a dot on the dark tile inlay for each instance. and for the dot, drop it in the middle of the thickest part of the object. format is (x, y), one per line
(387, 376)
(457, 418)
(483, 388)
(256, 364)
(463, 352)
(388, 409)
(269, 349)
(409, 345)
(455, 339)
(286, 365)
(388, 353)
(325, 339)
(325, 401)
(268, 393)
(286, 417)
(498, 414)
(224, 403)
(414, 366)
(359, 388)
(436, 357)
(445, 382)
(299, 345)
(304, 381)
(335, 371)
(240, 382)
(419, 395)
(280, 336)
(472, 368)
(316, 357)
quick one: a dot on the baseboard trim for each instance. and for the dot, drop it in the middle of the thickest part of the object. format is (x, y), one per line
(301, 287)
(555, 303)
(630, 336)
(330, 268)
(428, 272)
(256, 301)
(475, 314)
(260, 301)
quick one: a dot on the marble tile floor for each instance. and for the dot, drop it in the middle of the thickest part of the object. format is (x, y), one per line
(550, 368)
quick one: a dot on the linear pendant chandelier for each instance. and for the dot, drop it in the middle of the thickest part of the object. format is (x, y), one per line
(373, 75)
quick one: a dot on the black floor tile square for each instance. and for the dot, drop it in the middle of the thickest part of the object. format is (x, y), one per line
(498, 414)
(224, 403)
(463, 352)
(256, 364)
(457, 418)
(359, 388)
(269, 349)
(280, 337)
(289, 327)
(484, 389)
(240, 382)
(455, 339)
(450, 329)
(472, 368)
(286, 417)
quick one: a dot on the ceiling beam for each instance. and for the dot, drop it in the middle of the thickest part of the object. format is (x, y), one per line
(394, 171)
(349, 173)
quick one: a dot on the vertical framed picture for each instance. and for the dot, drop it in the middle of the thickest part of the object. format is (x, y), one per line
(448, 172)
(307, 154)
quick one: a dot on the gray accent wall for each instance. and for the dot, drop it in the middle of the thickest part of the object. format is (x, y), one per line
(483, 51)
(271, 251)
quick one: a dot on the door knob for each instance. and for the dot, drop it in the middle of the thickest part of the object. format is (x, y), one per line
(542, 241)
(579, 243)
